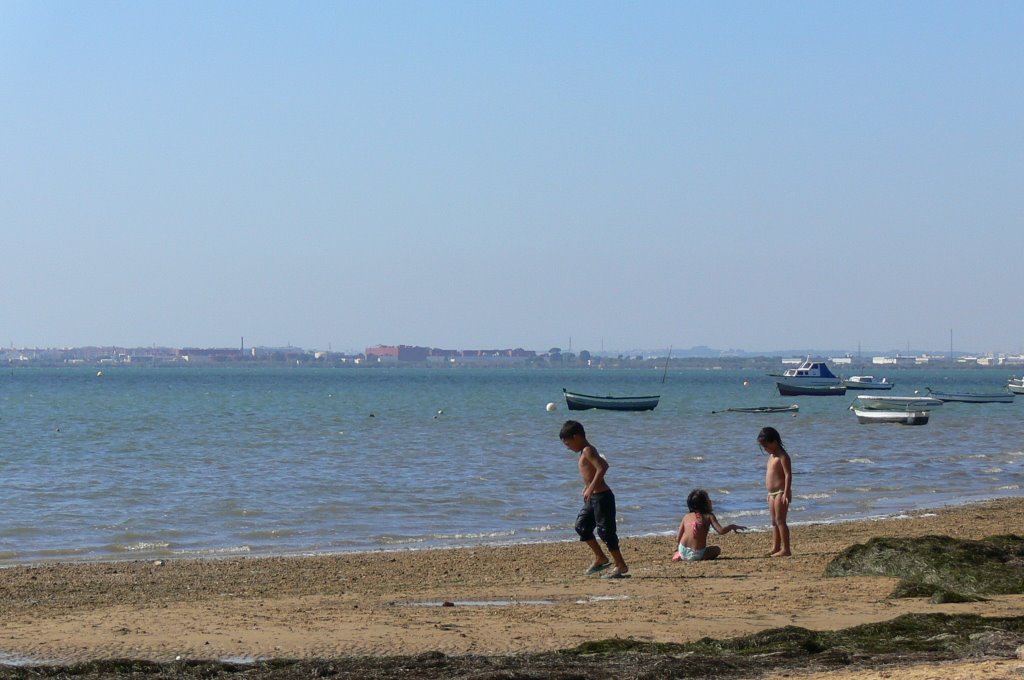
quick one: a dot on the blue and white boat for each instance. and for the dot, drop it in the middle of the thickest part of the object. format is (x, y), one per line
(812, 377)
(867, 382)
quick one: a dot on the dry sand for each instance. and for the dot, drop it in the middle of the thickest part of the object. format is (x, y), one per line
(506, 599)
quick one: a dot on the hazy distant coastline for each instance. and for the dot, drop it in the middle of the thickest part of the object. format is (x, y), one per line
(410, 355)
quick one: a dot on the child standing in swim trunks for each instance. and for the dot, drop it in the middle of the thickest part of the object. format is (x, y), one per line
(692, 537)
(779, 482)
(598, 503)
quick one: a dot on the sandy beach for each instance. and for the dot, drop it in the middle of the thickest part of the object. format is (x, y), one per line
(481, 600)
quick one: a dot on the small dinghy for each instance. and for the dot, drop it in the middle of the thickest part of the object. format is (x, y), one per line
(577, 401)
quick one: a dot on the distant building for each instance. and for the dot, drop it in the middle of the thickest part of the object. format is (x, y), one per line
(211, 355)
(897, 360)
(385, 354)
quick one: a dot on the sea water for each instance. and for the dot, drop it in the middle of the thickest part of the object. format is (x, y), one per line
(195, 462)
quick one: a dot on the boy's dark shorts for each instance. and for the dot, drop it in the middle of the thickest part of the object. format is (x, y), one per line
(599, 513)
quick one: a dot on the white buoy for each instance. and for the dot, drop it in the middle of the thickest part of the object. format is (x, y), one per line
(552, 406)
(99, 374)
(746, 383)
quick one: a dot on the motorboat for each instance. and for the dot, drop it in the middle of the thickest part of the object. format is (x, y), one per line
(790, 390)
(867, 382)
(1015, 385)
(1005, 397)
(810, 372)
(577, 401)
(812, 377)
(904, 417)
(886, 402)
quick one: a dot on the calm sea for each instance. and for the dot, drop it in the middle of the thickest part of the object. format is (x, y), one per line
(194, 462)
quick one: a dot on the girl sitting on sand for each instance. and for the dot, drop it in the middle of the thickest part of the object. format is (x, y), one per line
(692, 537)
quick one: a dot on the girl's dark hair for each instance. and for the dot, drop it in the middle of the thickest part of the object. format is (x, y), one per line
(770, 434)
(698, 501)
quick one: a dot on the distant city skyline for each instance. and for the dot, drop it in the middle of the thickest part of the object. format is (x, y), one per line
(703, 351)
(459, 173)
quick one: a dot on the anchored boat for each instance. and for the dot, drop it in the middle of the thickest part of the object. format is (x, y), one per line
(577, 401)
(888, 403)
(867, 382)
(913, 410)
(789, 390)
(870, 415)
(761, 409)
(975, 397)
(813, 377)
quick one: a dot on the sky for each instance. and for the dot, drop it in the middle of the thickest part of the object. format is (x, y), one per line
(585, 175)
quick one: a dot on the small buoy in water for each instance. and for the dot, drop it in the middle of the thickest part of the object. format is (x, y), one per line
(552, 406)
(99, 374)
(746, 383)
(440, 411)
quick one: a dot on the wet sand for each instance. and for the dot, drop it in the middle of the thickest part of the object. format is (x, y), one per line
(500, 600)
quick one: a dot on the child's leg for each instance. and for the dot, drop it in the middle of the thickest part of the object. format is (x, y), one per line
(585, 523)
(599, 556)
(776, 535)
(620, 562)
(781, 528)
(604, 515)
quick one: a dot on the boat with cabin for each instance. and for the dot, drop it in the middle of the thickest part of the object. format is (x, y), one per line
(867, 382)
(576, 401)
(811, 378)
(790, 390)
(1015, 385)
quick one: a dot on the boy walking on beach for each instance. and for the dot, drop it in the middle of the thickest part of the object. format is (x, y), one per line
(598, 503)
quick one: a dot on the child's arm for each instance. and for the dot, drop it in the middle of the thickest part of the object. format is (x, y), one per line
(787, 474)
(726, 529)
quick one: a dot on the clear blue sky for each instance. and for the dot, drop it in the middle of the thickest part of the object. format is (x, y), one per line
(495, 174)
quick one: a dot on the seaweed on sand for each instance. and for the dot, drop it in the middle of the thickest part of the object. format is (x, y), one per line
(946, 569)
(907, 639)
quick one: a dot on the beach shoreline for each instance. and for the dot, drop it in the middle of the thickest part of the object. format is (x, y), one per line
(513, 540)
(490, 600)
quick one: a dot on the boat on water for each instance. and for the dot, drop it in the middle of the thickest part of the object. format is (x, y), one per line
(761, 409)
(1015, 385)
(904, 417)
(879, 402)
(811, 378)
(867, 382)
(912, 410)
(581, 402)
(1005, 397)
(790, 390)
